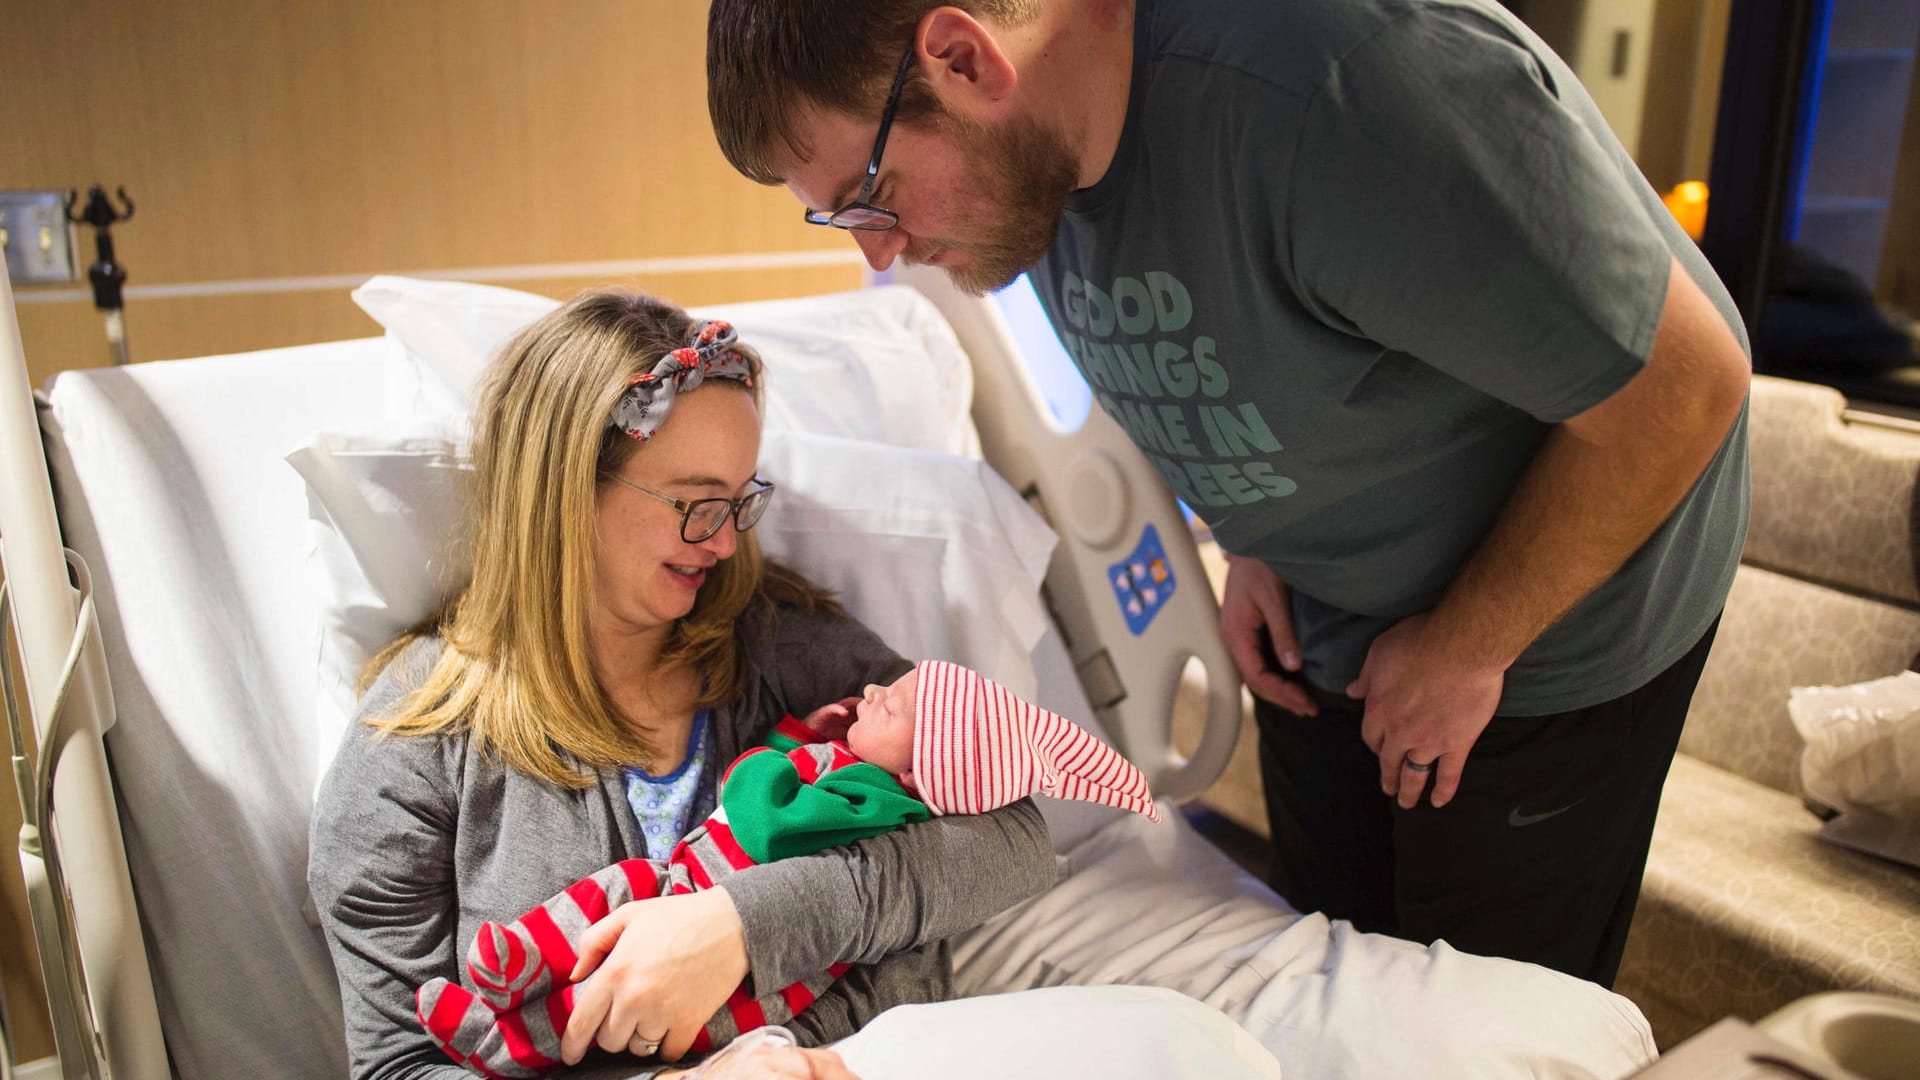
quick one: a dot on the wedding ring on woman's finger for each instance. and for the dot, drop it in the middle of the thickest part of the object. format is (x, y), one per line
(643, 1046)
(1417, 766)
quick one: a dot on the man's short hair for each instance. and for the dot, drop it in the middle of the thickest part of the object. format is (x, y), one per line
(767, 57)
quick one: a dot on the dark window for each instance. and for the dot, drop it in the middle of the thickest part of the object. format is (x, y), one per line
(1797, 124)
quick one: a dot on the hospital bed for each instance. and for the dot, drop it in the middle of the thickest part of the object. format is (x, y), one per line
(159, 558)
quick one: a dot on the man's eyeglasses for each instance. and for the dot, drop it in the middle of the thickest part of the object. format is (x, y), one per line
(861, 214)
(701, 518)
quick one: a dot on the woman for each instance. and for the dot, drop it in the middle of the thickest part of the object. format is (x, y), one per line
(620, 639)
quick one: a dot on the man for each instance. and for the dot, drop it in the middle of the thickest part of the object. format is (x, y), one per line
(1375, 289)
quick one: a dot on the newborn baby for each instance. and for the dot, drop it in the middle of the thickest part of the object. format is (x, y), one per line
(939, 740)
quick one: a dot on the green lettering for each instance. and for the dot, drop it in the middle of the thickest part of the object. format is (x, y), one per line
(1139, 366)
(1174, 423)
(1099, 312)
(1094, 362)
(1175, 370)
(1213, 377)
(1273, 484)
(1119, 369)
(1212, 430)
(1236, 486)
(1172, 306)
(1237, 434)
(1073, 300)
(1204, 488)
(1146, 427)
(1132, 307)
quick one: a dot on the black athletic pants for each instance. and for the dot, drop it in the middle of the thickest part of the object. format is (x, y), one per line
(1539, 855)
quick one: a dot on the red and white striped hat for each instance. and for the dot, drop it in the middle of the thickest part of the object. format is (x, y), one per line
(977, 747)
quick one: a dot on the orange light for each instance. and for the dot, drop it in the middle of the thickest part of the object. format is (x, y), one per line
(1687, 202)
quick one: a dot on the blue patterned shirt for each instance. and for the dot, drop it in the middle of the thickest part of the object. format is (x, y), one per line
(667, 806)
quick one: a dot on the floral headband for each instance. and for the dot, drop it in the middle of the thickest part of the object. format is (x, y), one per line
(643, 407)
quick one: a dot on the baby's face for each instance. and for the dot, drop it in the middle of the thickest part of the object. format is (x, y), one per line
(882, 731)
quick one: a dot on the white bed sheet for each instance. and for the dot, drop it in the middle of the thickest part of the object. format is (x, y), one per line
(1157, 905)
(171, 484)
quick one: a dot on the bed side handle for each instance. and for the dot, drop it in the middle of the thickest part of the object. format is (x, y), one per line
(1100, 495)
(106, 1019)
(76, 1037)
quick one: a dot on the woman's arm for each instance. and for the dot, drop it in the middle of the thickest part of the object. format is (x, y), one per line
(382, 873)
(899, 890)
(921, 883)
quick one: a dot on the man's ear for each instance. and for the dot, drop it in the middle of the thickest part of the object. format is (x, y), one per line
(964, 66)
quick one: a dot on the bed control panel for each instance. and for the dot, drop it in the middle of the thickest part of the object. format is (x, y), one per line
(1143, 582)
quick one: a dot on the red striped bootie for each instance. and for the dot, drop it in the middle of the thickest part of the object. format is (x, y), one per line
(518, 1044)
(514, 962)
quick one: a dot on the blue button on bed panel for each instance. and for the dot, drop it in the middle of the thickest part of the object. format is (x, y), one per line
(1143, 581)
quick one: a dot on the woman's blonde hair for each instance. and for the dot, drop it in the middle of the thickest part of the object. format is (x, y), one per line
(515, 672)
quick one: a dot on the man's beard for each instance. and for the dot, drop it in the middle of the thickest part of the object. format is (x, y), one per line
(1022, 176)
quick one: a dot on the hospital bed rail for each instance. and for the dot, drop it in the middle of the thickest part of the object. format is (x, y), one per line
(1106, 503)
(93, 957)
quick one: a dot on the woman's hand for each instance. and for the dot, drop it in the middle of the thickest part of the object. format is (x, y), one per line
(1254, 599)
(662, 982)
(776, 1063)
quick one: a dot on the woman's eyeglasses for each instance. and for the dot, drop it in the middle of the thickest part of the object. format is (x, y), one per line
(701, 518)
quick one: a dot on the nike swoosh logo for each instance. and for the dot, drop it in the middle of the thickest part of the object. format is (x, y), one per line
(1519, 820)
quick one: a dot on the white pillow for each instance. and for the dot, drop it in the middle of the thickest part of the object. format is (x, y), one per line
(936, 553)
(881, 359)
(1109, 1032)
(383, 511)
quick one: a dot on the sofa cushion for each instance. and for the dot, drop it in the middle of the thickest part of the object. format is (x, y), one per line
(1833, 501)
(1780, 632)
(1743, 909)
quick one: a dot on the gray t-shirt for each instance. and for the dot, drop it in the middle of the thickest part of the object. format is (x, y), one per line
(1351, 261)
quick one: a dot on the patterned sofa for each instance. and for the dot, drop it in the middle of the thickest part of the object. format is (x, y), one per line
(1743, 908)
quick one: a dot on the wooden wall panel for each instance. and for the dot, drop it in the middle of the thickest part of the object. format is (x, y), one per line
(291, 138)
(274, 137)
(62, 336)
(1715, 16)
(1683, 90)
(1899, 283)
(1671, 57)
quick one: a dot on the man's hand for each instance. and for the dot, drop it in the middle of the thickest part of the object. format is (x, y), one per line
(1255, 600)
(655, 971)
(831, 721)
(1600, 484)
(1424, 707)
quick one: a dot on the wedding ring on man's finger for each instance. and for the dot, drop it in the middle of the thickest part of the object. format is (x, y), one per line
(1417, 766)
